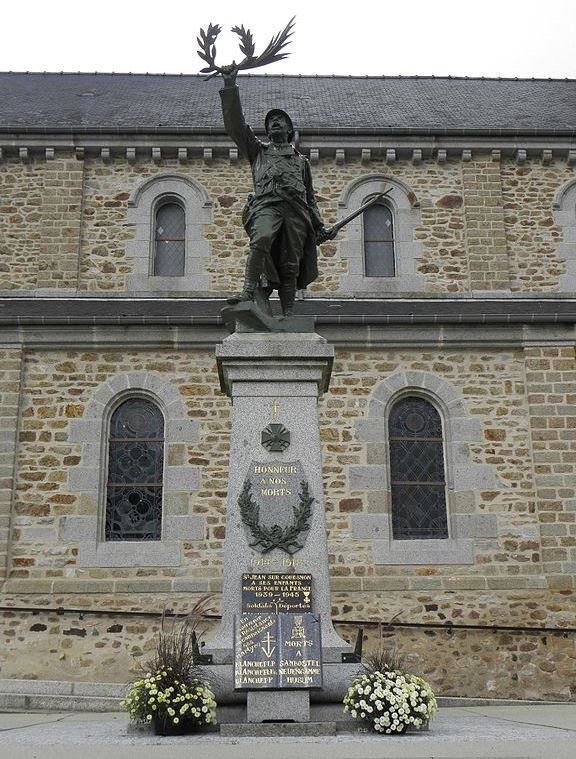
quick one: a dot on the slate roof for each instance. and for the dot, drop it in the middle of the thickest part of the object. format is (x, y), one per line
(50, 102)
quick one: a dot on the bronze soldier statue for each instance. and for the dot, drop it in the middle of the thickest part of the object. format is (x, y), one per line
(281, 217)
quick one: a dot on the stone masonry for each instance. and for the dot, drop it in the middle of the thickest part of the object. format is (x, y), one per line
(485, 232)
(63, 222)
(490, 612)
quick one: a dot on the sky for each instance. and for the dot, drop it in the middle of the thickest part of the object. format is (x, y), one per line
(376, 37)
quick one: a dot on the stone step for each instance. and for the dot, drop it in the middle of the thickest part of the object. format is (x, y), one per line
(61, 695)
(34, 702)
(276, 729)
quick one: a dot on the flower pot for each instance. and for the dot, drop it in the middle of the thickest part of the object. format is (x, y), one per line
(163, 725)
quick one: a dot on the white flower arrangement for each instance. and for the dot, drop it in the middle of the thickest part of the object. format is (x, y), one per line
(390, 702)
(161, 697)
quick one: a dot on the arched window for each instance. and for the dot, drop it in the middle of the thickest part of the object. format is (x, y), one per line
(169, 239)
(135, 467)
(417, 475)
(379, 241)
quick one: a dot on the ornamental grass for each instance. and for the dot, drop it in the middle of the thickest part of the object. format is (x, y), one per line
(171, 693)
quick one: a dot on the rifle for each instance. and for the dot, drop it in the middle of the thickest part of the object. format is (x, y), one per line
(333, 230)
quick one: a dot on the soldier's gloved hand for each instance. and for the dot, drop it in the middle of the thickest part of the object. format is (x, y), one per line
(229, 73)
(323, 235)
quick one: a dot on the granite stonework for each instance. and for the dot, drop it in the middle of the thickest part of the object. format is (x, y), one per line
(278, 706)
(275, 377)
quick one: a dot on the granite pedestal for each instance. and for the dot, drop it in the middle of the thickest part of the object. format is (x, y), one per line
(275, 378)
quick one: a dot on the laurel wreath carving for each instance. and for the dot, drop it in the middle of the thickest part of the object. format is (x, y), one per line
(284, 538)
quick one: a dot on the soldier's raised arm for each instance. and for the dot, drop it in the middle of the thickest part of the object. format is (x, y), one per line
(234, 122)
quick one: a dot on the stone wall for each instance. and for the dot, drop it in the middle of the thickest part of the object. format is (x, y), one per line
(518, 400)
(485, 234)
(58, 386)
(113, 645)
(528, 192)
(10, 389)
(21, 198)
(484, 224)
(551, 387)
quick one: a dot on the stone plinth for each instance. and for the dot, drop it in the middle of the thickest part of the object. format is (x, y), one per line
(275, 377)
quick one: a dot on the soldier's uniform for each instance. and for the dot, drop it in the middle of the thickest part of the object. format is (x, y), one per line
(281, 217)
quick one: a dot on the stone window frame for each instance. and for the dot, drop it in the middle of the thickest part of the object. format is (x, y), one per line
(89, 478)
(162, 202)
(407, 393)
(462, 476)
(407, 250)
(142, 206)
(565, 218)
(108, 506)
(386, 205)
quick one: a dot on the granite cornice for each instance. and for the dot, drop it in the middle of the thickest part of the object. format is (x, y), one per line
(187, 324)
(109, 144)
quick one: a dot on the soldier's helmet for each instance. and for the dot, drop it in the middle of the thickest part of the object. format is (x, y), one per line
(280, 112)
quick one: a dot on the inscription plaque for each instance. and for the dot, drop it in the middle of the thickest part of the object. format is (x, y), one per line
(278, 651)
(276, 592)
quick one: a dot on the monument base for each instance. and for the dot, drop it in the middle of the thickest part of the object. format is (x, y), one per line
(277, 729)
(278, 706)
(336, 679)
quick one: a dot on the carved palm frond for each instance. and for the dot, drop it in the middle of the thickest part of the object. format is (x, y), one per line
(273, 51)
(207, 47)
(246, 41)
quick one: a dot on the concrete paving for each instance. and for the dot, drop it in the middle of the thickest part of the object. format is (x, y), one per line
(479, 732)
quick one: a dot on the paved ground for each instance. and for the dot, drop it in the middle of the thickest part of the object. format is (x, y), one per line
(480, 732)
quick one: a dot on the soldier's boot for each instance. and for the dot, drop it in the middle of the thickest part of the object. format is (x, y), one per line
(251, 280)
(287, 294)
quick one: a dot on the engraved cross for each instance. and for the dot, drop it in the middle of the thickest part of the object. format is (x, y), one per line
(275, 406)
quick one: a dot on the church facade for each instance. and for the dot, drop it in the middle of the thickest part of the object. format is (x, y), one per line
(449, 427)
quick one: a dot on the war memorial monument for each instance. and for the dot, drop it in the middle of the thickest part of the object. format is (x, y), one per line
(276, 644)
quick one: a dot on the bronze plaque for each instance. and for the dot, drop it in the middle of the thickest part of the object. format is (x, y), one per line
(256, 651)
(300, 657)
(276, 592)
(277, 651)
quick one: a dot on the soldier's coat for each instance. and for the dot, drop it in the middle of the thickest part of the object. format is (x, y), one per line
(280, 175)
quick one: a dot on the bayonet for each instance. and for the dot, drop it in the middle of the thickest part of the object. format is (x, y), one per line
(333, 230)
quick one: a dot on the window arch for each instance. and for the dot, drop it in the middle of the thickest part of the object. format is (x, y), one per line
(135, 472)
(158, 260)
(378, 228)
(169, 238)
(417, 471)
(380, 248)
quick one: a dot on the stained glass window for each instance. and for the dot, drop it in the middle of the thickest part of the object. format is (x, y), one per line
(379, 241)
(418, 480)
(169, 240)
(135, 466)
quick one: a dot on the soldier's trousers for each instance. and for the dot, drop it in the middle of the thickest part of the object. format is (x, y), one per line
(278, 234)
